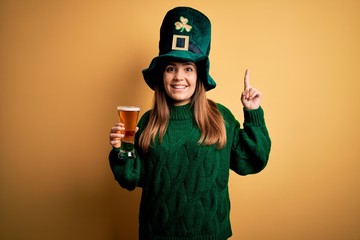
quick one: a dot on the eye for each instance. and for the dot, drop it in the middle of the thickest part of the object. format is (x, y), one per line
(169, 68)
(189, 69)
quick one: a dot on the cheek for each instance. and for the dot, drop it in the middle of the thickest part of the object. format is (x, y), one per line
(166, 80)
(166, 87)
(194, 81)
(193, 90)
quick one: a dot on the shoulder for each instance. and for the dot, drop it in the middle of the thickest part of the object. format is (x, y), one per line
(225, 112)
(144, 119)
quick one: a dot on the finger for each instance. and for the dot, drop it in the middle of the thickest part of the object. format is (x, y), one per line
(246, 80)
(115, 143)
(116, 129)
(251, 93)
(254, 93)
(116, 136)
(116, 140)
(244, 95)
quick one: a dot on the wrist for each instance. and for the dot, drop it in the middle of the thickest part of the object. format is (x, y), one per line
(254, 116)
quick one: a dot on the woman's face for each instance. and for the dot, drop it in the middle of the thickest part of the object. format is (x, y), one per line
(180, 81)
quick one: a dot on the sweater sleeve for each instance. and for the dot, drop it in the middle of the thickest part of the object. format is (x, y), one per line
(251, 145)
(128, 171)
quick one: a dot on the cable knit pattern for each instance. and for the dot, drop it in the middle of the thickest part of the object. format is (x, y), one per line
(185, 185)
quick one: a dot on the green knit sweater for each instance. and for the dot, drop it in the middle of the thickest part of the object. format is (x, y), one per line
(184, 184)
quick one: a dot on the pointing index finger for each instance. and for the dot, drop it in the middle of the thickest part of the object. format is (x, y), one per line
(246, 80)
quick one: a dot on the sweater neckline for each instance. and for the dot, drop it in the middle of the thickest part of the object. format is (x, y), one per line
(181, 112)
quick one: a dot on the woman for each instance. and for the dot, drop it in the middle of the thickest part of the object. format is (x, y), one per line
(187, 144)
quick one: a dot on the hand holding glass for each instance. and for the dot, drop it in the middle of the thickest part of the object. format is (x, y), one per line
(128, 115)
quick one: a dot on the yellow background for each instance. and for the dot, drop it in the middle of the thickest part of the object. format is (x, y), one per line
(66, 65)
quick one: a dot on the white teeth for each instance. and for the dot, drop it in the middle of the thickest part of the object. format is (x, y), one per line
(179, 87)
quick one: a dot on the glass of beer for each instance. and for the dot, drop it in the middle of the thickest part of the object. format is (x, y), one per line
(128, 115)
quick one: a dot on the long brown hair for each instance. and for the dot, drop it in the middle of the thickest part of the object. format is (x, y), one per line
(206, 113)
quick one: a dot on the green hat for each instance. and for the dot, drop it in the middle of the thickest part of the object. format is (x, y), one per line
(185, 35)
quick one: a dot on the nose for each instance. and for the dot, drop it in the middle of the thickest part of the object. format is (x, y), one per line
(179, 75)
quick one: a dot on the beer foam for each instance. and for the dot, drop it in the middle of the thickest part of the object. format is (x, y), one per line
(128, 108)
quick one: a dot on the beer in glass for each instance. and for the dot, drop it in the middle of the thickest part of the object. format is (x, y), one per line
(128, 115)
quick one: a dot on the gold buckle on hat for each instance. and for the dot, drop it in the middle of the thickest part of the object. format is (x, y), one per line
(180, 42)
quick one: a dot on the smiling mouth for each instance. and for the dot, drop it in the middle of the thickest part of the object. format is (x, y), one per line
(179, 86)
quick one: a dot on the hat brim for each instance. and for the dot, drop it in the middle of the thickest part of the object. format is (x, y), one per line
(153, 72)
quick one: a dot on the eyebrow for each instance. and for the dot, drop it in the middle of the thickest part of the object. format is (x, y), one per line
(182, 63)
